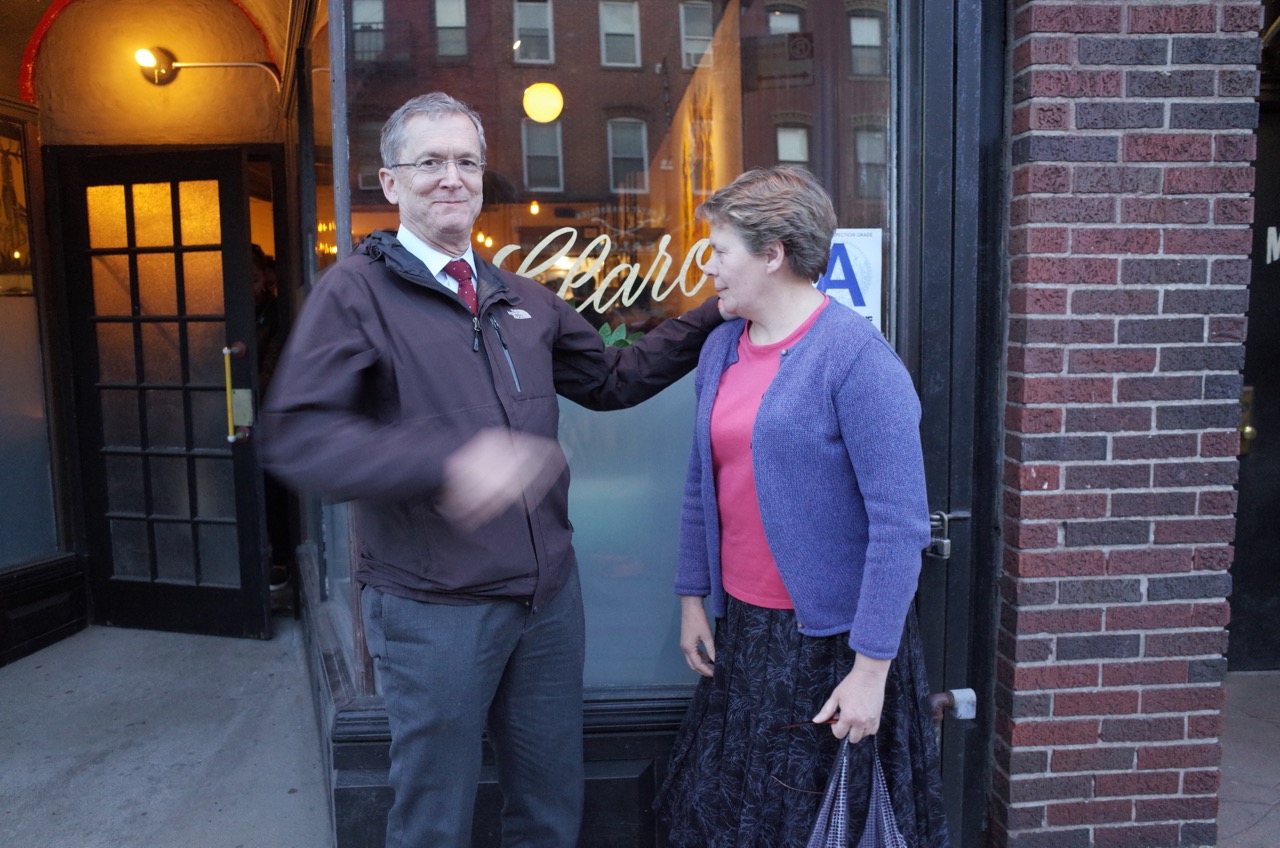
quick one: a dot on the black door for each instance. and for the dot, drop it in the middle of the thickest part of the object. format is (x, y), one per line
(156, 263)
(1255, 593)
(952, 83)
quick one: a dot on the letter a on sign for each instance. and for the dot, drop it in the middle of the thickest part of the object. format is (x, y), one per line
(853, 272)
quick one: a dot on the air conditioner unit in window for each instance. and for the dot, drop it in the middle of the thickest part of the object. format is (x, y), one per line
(697, 60)
(368, 181)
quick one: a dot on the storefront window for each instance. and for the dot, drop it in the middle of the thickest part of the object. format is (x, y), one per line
(664, 102)
(27, 524)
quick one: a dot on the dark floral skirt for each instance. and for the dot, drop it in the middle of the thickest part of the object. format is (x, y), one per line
(734, 782)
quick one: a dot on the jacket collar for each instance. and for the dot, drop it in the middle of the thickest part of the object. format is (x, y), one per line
(383, 244)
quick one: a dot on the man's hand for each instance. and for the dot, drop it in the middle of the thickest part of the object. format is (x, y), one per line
(493, 471)
(695, 636)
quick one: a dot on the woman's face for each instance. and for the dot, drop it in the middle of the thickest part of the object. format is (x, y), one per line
(740, 277)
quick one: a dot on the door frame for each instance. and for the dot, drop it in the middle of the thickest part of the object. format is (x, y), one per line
(952, 178)
(244, 611)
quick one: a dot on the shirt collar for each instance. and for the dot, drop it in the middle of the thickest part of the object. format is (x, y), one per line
(429, 256)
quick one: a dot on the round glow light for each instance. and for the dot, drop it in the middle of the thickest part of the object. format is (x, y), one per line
(145, 58)
(543, 102)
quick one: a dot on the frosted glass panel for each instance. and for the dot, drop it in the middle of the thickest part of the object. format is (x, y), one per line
(201, 218)
(166, 423)
(115, 353)
(160, 361)
(175, 554)
(628, 478)
(152, 215)
(215, 488)
(106, 216)
(111, 285)
(209, 419)
(169, 494)
(156, 290)
(203, 282)
(120, 418)
(205, 340)
(130, 551)
(219, 555)
(124, 484)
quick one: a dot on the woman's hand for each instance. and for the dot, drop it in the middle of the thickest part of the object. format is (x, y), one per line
(695, 636)
(858, 700)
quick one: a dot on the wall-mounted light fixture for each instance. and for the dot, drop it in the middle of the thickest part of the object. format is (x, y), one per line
(160, 67)
(543, 102)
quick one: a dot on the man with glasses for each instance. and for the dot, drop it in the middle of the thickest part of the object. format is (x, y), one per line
(420, 383)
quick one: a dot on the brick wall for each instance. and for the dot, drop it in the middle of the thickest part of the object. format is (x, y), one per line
(1129, 231)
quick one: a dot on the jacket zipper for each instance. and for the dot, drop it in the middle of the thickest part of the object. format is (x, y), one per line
(505, 352)
(475, 325)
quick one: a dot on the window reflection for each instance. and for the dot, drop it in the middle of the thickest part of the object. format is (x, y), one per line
(27, 527)
(451, 28)
(664, 102)
(533, 41)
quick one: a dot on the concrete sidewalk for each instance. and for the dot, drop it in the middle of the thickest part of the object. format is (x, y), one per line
(134, 739)
(1249, 800)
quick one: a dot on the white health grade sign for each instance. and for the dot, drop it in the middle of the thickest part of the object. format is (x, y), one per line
(854, 272)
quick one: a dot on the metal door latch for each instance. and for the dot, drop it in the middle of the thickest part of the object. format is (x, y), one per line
(958, 703)
(940, 533)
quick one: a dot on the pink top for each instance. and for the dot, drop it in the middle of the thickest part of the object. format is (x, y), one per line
(747, 567)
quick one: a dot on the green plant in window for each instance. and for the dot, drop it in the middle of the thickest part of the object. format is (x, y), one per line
(618, 336)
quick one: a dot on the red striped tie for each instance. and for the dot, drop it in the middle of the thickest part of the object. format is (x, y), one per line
(461, 271)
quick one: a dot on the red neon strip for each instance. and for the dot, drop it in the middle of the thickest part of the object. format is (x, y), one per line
(27, 71)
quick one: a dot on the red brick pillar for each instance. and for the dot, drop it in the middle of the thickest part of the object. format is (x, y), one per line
(1132, 138)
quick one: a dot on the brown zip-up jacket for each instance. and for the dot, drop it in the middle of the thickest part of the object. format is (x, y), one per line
(387, 373)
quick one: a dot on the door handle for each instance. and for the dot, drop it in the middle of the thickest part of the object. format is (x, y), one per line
(234, 433)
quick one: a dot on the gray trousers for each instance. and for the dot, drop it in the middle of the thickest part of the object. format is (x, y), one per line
(447, 674)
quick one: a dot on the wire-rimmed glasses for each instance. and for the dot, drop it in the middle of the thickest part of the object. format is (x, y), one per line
(435, 167)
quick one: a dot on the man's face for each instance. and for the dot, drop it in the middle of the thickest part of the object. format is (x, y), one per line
(437, 208)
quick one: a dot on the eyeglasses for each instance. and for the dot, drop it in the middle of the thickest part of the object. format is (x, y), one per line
(437, 166)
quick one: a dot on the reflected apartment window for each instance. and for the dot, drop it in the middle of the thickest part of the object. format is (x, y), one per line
(866, 44)
(534, 40)
(695, 34)
(367, 30)
(628, 155)
(451, 27)
(783, 20)
(871, 148)
(793, 146)
(620, 34)
(366, 154)
(543, 157)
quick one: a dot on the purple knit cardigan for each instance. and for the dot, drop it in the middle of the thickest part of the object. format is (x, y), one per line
(840, 478)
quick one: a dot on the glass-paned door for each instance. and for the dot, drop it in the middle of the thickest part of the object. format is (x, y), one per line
(158, 274)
